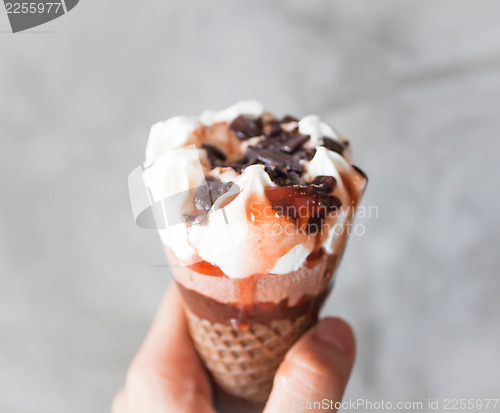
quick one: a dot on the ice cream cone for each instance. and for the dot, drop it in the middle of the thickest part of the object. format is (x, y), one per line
(243, 345)
(243, 362)
(253, 212)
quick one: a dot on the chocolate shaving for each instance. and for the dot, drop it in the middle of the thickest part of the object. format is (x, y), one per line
(288, 119)
(268, 152)
(207, 194)
(272, 128)
(294, 165)
(282, 178)
(268, 142)
(239, 166)
(269, 157)
(187, 218)
(294, 142)
(332, 145)
(308, 154)
(324, 183)
(280, 151)
(333, 203)
(246, 127)
(215, 155)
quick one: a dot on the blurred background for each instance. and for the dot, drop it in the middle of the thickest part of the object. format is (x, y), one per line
(414, 85)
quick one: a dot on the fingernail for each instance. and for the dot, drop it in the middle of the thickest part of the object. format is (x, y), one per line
(335, 332)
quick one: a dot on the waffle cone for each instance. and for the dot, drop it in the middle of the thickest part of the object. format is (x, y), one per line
(243, 362)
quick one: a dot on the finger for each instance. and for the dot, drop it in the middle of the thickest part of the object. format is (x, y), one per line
(315, 369)
(119, 403)
(167, 374)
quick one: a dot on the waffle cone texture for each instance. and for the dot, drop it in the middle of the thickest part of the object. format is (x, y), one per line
(243, 362)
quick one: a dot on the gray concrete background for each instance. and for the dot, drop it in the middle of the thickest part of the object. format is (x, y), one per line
(415, 85)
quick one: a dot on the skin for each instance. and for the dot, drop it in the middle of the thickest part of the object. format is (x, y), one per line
(167, 375)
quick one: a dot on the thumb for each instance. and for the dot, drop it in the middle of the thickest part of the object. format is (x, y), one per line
(315, 371)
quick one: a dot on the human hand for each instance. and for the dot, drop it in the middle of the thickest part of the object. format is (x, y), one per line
(167, 374)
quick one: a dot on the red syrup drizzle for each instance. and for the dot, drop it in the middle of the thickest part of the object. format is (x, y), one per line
(205, 268)
(314, 257)
(306, 205)
(299, 203)
(303, 204)
(245, 291)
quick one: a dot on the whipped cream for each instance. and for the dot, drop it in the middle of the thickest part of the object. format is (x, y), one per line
(232, 238)
(169, 135)
(292, 260)
(317, 128)
(225, 241)
(173, 178)
(246, 107)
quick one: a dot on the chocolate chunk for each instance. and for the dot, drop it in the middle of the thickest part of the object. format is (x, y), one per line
(215, 155)
(250, 158)
(293, 164)
(293, 178)
(246, 127)
(274, 157)
(207, 194)
(322, 205)
(187, 218)
(283, 178)
(272, 128)
(269, 142)
(333, 203)
(277, 175)
(324, 183)
(242, 164)
(309, 153)
(294, 141)
(332, 145)
(279, 150)
(238, 166)
(269, 157)
(305, 153)
(288, 118)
